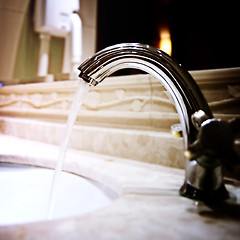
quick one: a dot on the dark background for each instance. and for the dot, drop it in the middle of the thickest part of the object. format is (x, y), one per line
(205, 34)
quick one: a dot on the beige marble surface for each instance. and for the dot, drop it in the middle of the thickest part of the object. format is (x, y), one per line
(125, 116)
(146, 146)
(148, 206)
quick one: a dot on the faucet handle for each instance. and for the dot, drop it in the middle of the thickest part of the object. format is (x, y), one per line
(198, 118)
(216, 140)
(231, 162)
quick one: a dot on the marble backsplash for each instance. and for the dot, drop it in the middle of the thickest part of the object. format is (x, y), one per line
(125, 116)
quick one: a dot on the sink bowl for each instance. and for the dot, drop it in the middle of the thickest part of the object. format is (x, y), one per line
(148, 204)
(25, 194)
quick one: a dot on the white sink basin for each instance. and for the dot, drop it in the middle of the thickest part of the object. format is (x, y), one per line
(25, 194)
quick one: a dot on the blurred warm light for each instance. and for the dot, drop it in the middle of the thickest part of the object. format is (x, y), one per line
(165, 43)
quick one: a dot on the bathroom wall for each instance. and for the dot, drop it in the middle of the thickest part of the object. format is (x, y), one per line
(12, 14)
(20, 44)
(88, 13)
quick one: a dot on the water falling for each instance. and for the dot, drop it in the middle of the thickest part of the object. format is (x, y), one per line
(78, 100)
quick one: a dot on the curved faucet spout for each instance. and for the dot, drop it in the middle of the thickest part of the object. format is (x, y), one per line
(184, 91)
(203, 169)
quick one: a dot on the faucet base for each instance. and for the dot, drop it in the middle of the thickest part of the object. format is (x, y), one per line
(191, 192)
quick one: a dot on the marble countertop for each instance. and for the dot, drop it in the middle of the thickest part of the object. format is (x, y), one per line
(148, 206)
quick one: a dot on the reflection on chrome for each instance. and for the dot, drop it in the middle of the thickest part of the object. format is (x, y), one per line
(203, 170)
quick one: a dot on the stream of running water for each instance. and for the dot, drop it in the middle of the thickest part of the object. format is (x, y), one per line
(77, 102)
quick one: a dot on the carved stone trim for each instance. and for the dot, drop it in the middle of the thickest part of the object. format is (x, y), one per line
(123, 101)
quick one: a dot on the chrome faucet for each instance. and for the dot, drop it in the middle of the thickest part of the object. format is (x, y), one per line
(203, 178)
